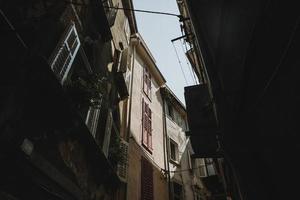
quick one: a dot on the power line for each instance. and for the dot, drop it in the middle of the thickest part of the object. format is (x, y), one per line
(12, 28)
(188, 63)
(180, 64)
(129, 9)
(193, 71)
(274, 73)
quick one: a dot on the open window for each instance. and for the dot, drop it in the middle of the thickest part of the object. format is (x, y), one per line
(174, 152)
(65, 53)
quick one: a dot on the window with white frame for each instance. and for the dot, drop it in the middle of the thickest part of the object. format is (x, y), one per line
(210, 167)
(174, 154)
(65, 54)
(93, 116)
(202, 167)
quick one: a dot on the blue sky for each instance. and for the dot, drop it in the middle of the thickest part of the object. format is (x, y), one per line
(158, 31)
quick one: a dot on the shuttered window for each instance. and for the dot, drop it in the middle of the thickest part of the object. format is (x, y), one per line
(147, 82)
(202, 167)
(92, 119)
(123, 162)
(147, 126)
(146, 180)
(65, 55)
(174, 154)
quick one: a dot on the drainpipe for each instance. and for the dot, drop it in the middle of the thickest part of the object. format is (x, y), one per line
(166, 149)
(128, 135)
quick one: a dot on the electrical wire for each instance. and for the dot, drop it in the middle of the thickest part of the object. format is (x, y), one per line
(181, 67)
(188, 63)
(279, 64)
(194, 74)
(128, 9)
(13, 29)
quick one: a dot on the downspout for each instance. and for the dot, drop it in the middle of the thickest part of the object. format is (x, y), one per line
(166, 149)
(128, 135)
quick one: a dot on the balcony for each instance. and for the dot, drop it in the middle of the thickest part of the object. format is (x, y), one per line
(202, 122)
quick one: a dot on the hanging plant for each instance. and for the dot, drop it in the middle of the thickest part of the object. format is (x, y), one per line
(115, 151)
(89, 90)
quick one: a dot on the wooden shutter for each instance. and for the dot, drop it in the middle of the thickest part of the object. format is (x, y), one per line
(149, 129)
(146, 180)
(92, 119)
(124, 61)
(107, 134)
(122, 165)
(65, 55)
(144, 124)
(149, 85)
(145, 80)
(147, 125)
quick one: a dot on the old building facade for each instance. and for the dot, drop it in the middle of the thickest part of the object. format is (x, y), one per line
(185, 171)
(145, 151)
(62, 104)
(84, 115)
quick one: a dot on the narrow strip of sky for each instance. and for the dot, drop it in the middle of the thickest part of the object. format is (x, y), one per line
(158, 31)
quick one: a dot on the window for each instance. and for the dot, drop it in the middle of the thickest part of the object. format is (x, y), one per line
(92, 118)
(107, 134)
(127, 30)
(123, 162)
(147, 82)
(174, 151)
(146, 180)
(147, 126)
(202, 167)
(63, 59)
(177, 191)
(110, 13)
(189, 160)
(210, 167)
(170, 111)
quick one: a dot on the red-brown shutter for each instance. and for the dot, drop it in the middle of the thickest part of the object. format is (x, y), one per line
(144, 123)
(145, 78)
(149, 129)
(146, 180)
(149, 85)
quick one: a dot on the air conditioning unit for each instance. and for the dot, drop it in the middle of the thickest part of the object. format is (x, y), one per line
(123, 163)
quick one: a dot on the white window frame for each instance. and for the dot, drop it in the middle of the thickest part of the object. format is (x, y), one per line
(202, 165)
(61, 64)
(93, 116)
(172, 142)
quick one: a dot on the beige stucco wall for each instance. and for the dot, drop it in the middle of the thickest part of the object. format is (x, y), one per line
(118, 29)
(187, 178)
(136, 150)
